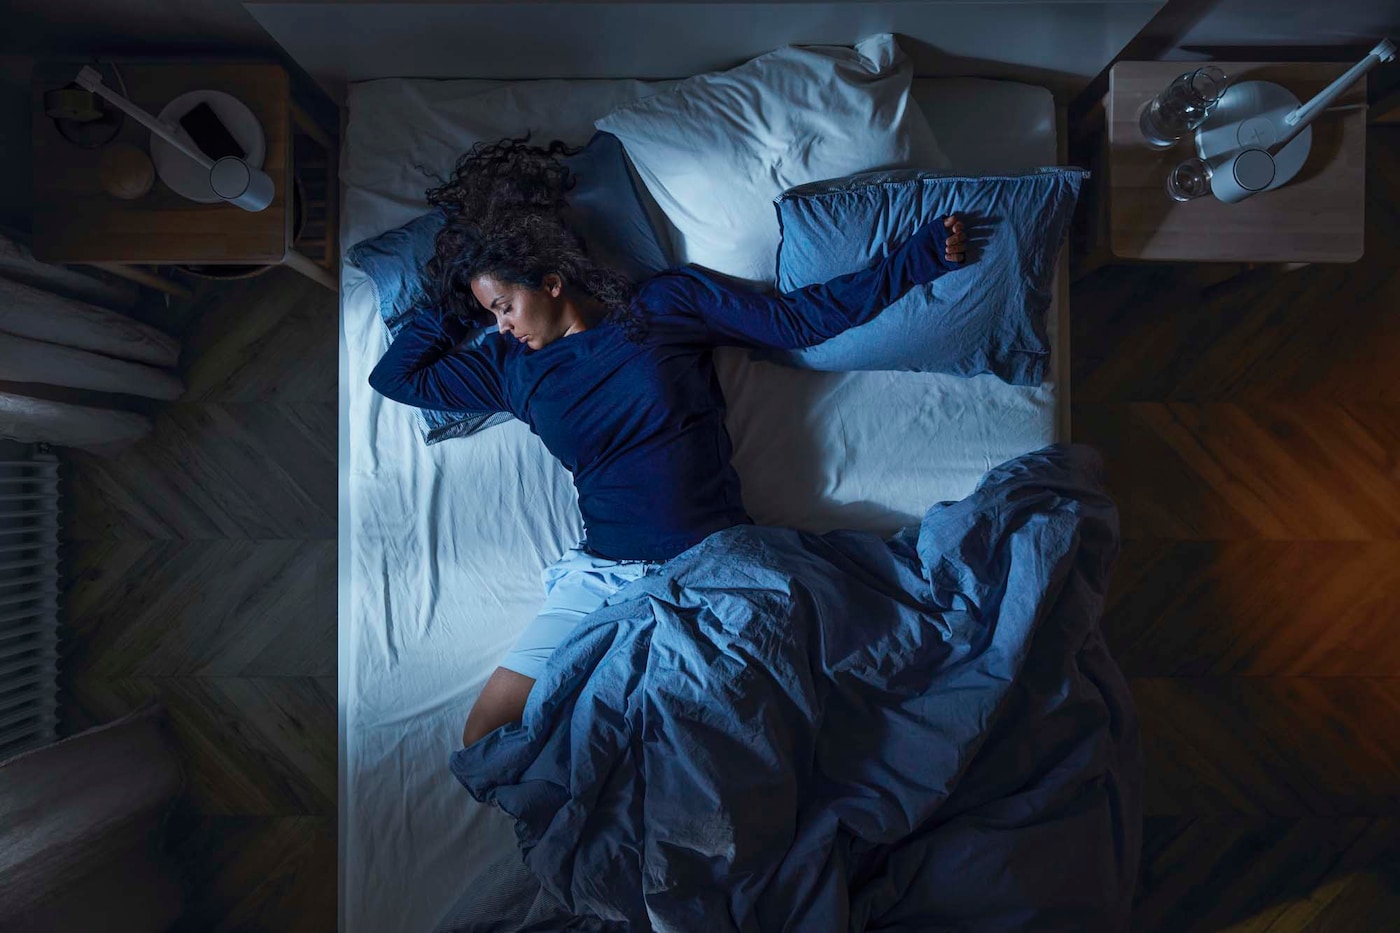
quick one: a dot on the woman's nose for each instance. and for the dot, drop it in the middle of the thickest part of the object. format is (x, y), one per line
(504, 326)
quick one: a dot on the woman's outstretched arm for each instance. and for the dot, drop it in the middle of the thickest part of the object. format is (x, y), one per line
(726, 313)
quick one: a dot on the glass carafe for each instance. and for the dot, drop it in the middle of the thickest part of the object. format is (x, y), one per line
(1182, 107)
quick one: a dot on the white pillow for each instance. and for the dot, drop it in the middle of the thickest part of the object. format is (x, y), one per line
(715, 150)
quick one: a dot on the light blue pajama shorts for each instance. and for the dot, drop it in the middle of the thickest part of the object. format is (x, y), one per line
(574, 585)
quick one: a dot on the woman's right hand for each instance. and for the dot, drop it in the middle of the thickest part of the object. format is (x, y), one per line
(955, 241)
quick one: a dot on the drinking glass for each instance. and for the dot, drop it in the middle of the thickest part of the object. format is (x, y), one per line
(1190, 179)
(1182, 107)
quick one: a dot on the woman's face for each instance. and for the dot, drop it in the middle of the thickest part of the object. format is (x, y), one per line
(534, 316)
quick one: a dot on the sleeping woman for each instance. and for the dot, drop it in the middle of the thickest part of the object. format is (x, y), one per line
(616, 380)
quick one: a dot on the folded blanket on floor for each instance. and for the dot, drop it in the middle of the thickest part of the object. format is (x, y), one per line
(786, 731)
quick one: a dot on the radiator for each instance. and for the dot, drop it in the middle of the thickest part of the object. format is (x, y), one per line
(28, 603)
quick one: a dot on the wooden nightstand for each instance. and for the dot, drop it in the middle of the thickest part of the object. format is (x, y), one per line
(1317, 217)
(75, 221)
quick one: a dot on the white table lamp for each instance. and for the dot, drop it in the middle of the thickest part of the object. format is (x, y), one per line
(1257, 137)
(231, 178)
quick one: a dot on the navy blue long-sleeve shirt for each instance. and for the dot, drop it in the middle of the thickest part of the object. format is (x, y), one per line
(639, 422)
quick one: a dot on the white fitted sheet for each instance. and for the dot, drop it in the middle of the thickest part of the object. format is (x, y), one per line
(442, 547)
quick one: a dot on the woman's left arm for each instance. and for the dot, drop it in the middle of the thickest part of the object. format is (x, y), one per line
(731, 314)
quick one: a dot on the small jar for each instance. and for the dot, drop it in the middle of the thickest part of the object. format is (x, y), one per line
(125, 172)
(1189, 180)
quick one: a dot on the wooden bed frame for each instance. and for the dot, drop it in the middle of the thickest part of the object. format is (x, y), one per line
(1058, 45)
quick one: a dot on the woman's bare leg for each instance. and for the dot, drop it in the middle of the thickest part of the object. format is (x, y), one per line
(502, 701)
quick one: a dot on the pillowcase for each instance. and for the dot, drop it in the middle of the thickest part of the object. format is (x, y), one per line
(394, 263)
(988, 317)
(716, 149)
(604, 210)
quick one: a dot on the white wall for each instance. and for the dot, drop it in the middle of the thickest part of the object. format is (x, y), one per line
(46, 27)
(1057, 43)
(1294, 23)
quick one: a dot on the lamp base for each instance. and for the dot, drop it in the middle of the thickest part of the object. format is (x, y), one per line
(183, 174)
(1250, 116)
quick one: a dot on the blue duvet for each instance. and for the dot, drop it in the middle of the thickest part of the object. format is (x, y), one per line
(786, 731)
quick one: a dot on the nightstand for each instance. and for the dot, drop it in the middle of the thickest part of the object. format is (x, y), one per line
(75, 221)
(1317, 217)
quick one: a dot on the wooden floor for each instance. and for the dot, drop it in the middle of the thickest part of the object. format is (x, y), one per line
(1252, 436)
(1253, 442)
(203, 573)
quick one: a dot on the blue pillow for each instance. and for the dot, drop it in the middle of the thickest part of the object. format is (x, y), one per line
(604, 210)
(988, 317)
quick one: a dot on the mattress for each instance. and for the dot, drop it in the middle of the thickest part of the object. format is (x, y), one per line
(441, 547)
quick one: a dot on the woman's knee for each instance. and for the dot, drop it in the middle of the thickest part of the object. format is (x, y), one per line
(501, 703)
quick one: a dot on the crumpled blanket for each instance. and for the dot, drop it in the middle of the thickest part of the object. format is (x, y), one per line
(788, 731)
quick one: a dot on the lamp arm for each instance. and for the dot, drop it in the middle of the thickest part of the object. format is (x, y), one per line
(1298, 119)
(90, 79)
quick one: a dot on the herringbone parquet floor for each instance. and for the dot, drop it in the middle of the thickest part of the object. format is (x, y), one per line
(1252, 433)
(203, 565)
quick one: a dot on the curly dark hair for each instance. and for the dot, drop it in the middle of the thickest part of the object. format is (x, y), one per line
(506, 176)
(504, 217)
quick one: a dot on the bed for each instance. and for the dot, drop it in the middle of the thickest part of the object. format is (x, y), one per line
(441, 546)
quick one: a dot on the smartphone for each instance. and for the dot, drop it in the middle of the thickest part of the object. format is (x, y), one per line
(210, 134)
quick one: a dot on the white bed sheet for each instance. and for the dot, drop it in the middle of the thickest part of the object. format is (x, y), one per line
(441, 547)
